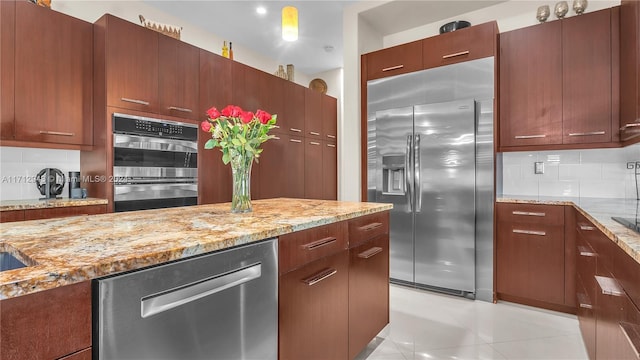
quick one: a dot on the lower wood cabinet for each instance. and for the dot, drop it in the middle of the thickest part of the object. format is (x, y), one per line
(50, 213)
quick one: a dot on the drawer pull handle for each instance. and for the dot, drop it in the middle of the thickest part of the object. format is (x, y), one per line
(588, 133)
(314, 143)
(527, 213)
(141, 102)
(530, 136)
(584, 301)
(631, 125)
(59, 133)
(295, 140)
(632, 334)
(370, 227)
(530, 232)
(180, 109)
(586, 252)
(316, 278)
(587, 228)
(295, 130)
(331, 136)
(456, 54)
(393, 68)
(314, 133)
(275, 138)
(319, 243)
(609, 286)
(370, 253)
(331, 145)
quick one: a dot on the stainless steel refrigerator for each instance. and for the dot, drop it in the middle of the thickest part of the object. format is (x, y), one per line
(430, 153)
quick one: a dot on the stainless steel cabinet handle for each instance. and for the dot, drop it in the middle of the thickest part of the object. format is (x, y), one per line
(331, 136)
(586, 252)
(58, 133)
(527, 213)
(180, 109)
(141, 102)
(331, 145)
(634, 341)
(530, 136)
(314, 133)
(631, 125)
(166, 300)
(275, 138)
(455, 54)
(295, 130)
(587, 228)
(316, 278)
(319, 243)
(314, 143)
(609, 286)
(295, 140)
(393, 68)
(584, 301)
(370, 253)
(407, 177)
(588, 133)
(529, 232)
(417, 166)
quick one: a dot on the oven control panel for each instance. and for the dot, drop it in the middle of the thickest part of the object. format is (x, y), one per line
(136, 125)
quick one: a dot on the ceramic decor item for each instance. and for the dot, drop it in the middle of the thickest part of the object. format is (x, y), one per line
(543, 13)
(579, 6)
(561, 9)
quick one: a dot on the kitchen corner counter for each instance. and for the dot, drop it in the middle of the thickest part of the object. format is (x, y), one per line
(599, 211)
(70, 250)
(12, 205)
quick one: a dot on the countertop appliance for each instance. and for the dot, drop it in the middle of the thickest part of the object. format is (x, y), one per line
(155, 163)
(221, 305)
(430, 153)
(50, 182)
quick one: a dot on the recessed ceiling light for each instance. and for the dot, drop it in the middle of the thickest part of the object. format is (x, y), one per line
(261, 10)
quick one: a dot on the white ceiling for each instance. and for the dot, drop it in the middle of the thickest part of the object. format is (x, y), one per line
(320, 24)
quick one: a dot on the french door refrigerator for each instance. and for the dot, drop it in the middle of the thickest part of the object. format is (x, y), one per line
(430, 153)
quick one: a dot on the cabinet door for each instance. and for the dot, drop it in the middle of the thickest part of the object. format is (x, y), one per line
(329, 118)
(7, 69)
(59, 212)
(295, 163)
(274, 168)
(249, 87)
(313, 310)
(178, 78)
(313, 169)
(630, 69)
(471, 43)
(531, 85)
(329, 171)
(132, 65)
(368, 292)
(292, 120)
(395, 60)
(586, 85)
(274, 95)
(313, 114)
(53, 76)
(587, 318)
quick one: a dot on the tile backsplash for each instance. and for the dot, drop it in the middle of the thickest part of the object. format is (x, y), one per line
(600, 173)
(19, 167)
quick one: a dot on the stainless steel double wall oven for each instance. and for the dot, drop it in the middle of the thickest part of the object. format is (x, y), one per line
(154, 163)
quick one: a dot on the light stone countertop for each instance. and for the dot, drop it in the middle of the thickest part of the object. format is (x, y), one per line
(599, 211)
(70, 250)
(11, 205)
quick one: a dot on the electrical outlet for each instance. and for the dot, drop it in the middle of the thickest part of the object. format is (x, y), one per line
(538, 167)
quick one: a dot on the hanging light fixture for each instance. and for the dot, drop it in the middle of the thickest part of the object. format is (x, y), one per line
(289, 23)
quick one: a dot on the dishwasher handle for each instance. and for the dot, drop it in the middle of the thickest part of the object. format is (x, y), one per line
(169, 299)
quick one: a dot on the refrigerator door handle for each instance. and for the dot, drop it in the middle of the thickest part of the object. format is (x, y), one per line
(418, 185)
(407, 173)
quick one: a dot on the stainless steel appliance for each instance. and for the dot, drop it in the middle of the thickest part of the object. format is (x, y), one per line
(154, 163)
(222, 305)
(430, 153)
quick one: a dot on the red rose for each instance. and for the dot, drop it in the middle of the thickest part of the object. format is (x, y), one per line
(246, 116)
(205, 125)
(232, 111)
(263, 116)
(213, 113)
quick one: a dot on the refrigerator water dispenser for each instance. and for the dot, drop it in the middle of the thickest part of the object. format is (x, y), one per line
(393, 175)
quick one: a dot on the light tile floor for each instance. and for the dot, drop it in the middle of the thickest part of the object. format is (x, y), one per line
(427, 325)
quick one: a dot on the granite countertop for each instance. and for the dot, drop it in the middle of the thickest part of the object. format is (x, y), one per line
(10, 205)
(598, 211)
(70, 250)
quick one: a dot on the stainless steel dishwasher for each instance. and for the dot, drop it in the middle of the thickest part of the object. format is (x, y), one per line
(222, 305)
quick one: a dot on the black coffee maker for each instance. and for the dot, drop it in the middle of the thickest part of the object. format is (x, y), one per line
(50, 182)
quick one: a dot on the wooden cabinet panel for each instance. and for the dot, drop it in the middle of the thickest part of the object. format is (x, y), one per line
(531, 86)
(368, 292)
(53, 77)
(11, 216)
(274, 166)
(531, 213)
(247, 87)
(275, 98)
(7, 68)
(313, 114)
(131, 65)
(368, 227)
(586, 317)
(80, 355)
(466, 44)
(630, 70)
(47, 324)
(293, 115)
(329, 118)
(59, 212)
(586, 81)
(313, 310)
(313, 169)
(295, 164)
(329, 170)
(178, 78)
(395, 60)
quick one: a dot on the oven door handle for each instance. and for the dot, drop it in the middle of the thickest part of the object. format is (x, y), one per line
(125, 141)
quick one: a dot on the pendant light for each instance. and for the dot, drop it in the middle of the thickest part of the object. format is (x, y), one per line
(289, 23)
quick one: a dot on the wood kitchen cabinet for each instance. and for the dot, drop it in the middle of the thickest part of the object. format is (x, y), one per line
(630, 71)
(50, 213)
(7, 70)
(329, 118)
(466, 44)
(53, 82)
(329, 170)
(313, 173)
(292, 118)
(283, 163)
(395, 60)
(313, 114)
(178, 78)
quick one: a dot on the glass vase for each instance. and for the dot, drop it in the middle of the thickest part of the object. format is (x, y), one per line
(241, 171)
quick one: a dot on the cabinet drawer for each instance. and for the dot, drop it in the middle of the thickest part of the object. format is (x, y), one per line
(530, 213)
(11, 215)
(586, 317)
(461, 45)
(395, 60)
(299, 248)
(368, 227)
(64, 212)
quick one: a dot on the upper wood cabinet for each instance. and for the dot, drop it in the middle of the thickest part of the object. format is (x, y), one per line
(329, 170)
(313, 114)
(329, 118)
(466, 44)
(630, 71)
(178, 78)
(395, 60)
(53, 76)
(292, 118)
(7, 70)
(128, 53)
